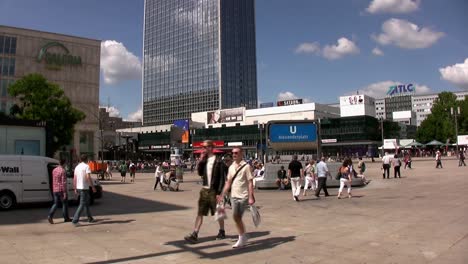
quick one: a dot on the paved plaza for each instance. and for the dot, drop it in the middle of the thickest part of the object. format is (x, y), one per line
(420, 218)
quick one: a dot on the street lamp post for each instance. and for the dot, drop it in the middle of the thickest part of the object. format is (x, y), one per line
(382, 134)
(260, 127)
(455, 112)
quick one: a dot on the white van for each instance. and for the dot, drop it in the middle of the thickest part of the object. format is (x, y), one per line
(28, 179)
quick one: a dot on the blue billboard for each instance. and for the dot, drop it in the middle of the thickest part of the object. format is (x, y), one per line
(293, 132)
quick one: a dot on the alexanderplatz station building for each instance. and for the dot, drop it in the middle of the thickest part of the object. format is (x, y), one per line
(69, 61)
(347, 129)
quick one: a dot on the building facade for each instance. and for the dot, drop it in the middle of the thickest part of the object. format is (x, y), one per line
(197, 56)
(71, 62)
(422, 104)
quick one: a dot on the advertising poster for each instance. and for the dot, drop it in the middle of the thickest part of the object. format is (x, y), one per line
(225, 116)
(184, 125)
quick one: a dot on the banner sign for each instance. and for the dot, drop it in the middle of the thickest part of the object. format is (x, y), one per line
(289, 102)
(216, 143)
(294, 132)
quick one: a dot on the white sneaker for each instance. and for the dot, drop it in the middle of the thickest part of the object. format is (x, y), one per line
(240, 242)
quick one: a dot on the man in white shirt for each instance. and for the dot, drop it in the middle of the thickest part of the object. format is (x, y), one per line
(81, 182)
(242, 192)
(386, 161)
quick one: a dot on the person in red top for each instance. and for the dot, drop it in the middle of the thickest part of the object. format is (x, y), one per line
(59, 188)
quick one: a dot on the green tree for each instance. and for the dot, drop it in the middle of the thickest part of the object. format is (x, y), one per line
(38, 99)
(440, 124)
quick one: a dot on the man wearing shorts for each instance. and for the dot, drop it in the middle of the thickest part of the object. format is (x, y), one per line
(242, 192)
(213, 173)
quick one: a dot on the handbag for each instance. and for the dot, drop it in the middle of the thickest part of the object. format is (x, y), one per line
(338, 175)
(256, 218)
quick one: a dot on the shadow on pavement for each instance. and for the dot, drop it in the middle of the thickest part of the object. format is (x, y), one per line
(110, 204)
(182, 246)
(106, 221)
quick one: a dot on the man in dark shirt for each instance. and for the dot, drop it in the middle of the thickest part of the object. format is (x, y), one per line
(213, 173)
(295, 175)
(282, 179)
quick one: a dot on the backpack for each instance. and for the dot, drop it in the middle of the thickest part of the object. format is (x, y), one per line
(363, 167)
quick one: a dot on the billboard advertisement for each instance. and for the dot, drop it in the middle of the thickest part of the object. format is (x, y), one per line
(462, 140)
(183, 127)
(225, 116)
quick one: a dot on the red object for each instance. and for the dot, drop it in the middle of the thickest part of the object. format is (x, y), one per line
(97, 166)
(216, 143)
(200, 151)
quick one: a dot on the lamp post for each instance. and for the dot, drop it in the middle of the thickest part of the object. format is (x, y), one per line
(382, 134)
(455, 112)
(260, 128)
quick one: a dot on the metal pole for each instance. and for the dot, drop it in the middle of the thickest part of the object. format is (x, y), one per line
(381, 126)
(455, 112)
(261, 147)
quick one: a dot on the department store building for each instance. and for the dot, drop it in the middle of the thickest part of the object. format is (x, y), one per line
(70, 62)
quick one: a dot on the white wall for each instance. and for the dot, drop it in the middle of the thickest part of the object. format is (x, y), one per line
(10, 134)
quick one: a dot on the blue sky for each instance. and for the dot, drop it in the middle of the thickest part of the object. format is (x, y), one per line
(316, 50)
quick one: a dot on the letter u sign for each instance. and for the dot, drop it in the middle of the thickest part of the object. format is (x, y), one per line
(292, 129)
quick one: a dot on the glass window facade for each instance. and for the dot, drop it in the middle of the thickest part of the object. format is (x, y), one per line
(397, 103)
(183, 65)
(7, 70)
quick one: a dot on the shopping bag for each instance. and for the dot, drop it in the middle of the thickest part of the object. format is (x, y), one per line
(255, 215)
(220, 212)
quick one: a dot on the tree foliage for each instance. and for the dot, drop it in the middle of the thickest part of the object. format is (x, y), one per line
(38, 99)
(440, 124)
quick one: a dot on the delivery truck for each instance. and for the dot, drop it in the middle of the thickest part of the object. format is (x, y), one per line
(28, 179)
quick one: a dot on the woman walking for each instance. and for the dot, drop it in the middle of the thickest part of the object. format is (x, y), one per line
(345, 178)
(310, 177)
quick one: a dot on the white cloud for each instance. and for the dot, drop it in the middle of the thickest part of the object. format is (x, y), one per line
(117, 63)
(456, 74)
(379, 89)
(344, 47)
(308, 48)
(136, 116)
(290, 95)
(377, 52)
(112, 110)
(393, 6)
(406, 35)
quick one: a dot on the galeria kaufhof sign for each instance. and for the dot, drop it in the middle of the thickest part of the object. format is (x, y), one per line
(60, 57)
(401, 89)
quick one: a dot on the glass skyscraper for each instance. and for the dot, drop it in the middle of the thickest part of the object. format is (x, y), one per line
(199, 55)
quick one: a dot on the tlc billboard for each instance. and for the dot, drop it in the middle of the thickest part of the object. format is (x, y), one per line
(401, 89)
(290, 135)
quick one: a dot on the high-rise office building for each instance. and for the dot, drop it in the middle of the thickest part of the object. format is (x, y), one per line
(199, 55)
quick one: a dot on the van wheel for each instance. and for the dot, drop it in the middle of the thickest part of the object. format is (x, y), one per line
(7, 200)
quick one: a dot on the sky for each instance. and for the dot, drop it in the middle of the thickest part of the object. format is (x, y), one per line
(315, 50)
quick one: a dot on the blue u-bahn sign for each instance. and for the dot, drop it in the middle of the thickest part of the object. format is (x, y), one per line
(293, 132)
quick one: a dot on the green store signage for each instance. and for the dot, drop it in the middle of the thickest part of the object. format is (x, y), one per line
(57, 60)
